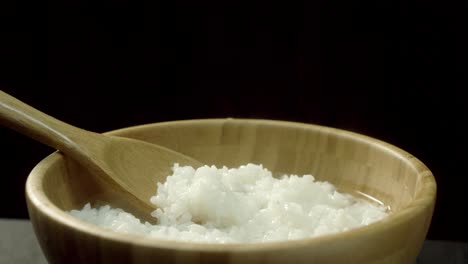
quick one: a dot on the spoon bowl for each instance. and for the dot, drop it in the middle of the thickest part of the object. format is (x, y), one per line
(126, 164)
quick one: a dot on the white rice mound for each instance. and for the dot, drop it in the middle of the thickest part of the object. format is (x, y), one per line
(245, 204)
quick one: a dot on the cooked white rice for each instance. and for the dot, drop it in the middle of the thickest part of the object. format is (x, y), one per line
(244, 204)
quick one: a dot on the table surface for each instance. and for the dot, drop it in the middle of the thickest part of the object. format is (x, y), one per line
(17, 235)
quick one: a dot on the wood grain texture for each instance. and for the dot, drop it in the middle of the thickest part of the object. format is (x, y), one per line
(123, 164)
(353, 162)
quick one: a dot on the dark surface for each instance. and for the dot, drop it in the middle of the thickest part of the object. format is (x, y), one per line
(16, 235)
(391, 70)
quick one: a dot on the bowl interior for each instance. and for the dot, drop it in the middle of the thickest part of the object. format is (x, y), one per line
(354, 163)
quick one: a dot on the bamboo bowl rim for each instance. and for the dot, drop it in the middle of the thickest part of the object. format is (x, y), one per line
(423, 199)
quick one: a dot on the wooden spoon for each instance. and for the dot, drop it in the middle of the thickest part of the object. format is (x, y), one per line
(131, 164)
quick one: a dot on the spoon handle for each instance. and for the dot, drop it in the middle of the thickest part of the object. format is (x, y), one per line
(40, 126)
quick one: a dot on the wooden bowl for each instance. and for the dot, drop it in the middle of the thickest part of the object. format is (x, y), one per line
(353, 162)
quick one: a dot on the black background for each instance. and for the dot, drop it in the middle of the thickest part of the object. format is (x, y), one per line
(388, 69)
